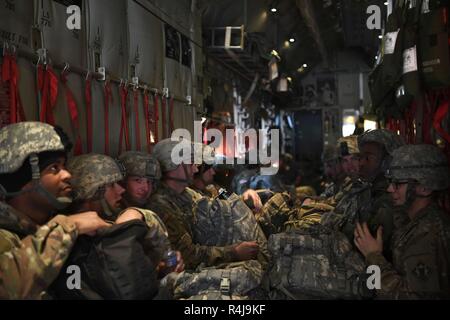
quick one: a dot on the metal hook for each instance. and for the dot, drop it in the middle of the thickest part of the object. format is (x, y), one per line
(66, 67)
(121, 82)
(87, 75)
(5, 47)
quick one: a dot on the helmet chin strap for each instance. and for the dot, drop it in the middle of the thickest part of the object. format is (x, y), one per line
(108, 212)
(185, 180)
(59, 203)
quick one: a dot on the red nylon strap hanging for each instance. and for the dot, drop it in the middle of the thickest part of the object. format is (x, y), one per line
(123, 126)
(440, 114)
(409, 123)
(48, 85)
(156, 116)
(88, 96)
(171, 116)
(107, 98)
(10, 73)
(164, 121)
(429, 105)
(136, 120)
(73, 111)
(145, 106)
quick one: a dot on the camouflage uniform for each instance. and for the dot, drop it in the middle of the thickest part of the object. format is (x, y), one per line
(367, 201)
(31, 256)
(420, 266)
(177, 212)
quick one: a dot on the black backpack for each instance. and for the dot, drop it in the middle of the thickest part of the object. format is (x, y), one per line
(112, 265)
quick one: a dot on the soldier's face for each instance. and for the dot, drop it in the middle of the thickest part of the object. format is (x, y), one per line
(113, 194)
(208, 176)
(333, 169)
(371, 156)
(190, 170)
(350, 165)
(138, 189)
(397, 190)
(55, 179)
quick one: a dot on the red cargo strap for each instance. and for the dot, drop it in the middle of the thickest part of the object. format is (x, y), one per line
(429, 104)
(88, 95)
(107, 98)
(409, 123)
(136, 120)
(171, 116)
(10, 73)
(124, 125)
(440, 114)
(48, 85)
(156, 116)
(145, 106)
(73, 111)
(164, 121)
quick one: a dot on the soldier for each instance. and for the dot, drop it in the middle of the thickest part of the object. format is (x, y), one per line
(367, 200)
(203, 182)
(332, 171)
(143, 172)
(346, 167)
(174, 204)
(95, 180)
(420, 266)
(35, 240)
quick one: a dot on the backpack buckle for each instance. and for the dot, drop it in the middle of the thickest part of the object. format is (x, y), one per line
(225, 286)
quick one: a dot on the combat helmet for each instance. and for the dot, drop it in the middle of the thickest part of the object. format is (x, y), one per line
(26, 140)
(386, 138)
(141, 164)
(182, 152)
(423, 163)
(347, 146)
(91, 173)
(329, 154)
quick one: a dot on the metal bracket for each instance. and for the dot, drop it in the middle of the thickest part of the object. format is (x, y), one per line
(42, 53)
(102, 71)
(189, 100)
(165, 92)
(135, 82)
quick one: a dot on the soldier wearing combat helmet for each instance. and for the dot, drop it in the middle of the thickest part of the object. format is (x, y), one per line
(143, 172)
(420, 265)
(34, 186)
(174, 204)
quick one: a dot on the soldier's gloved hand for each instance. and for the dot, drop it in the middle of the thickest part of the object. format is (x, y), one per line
(128, 215)
(88, 222)
(252, 195)
(246, 250)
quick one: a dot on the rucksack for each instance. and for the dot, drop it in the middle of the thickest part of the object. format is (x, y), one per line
(219, 222)
(315, 263)
(113, 265)
(233, 281)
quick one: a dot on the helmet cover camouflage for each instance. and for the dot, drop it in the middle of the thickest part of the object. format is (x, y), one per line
(163, 153)
(18, 141)
(423, 163)
(386, 138)
(90, 172)
(140, 164)
(347, 146)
